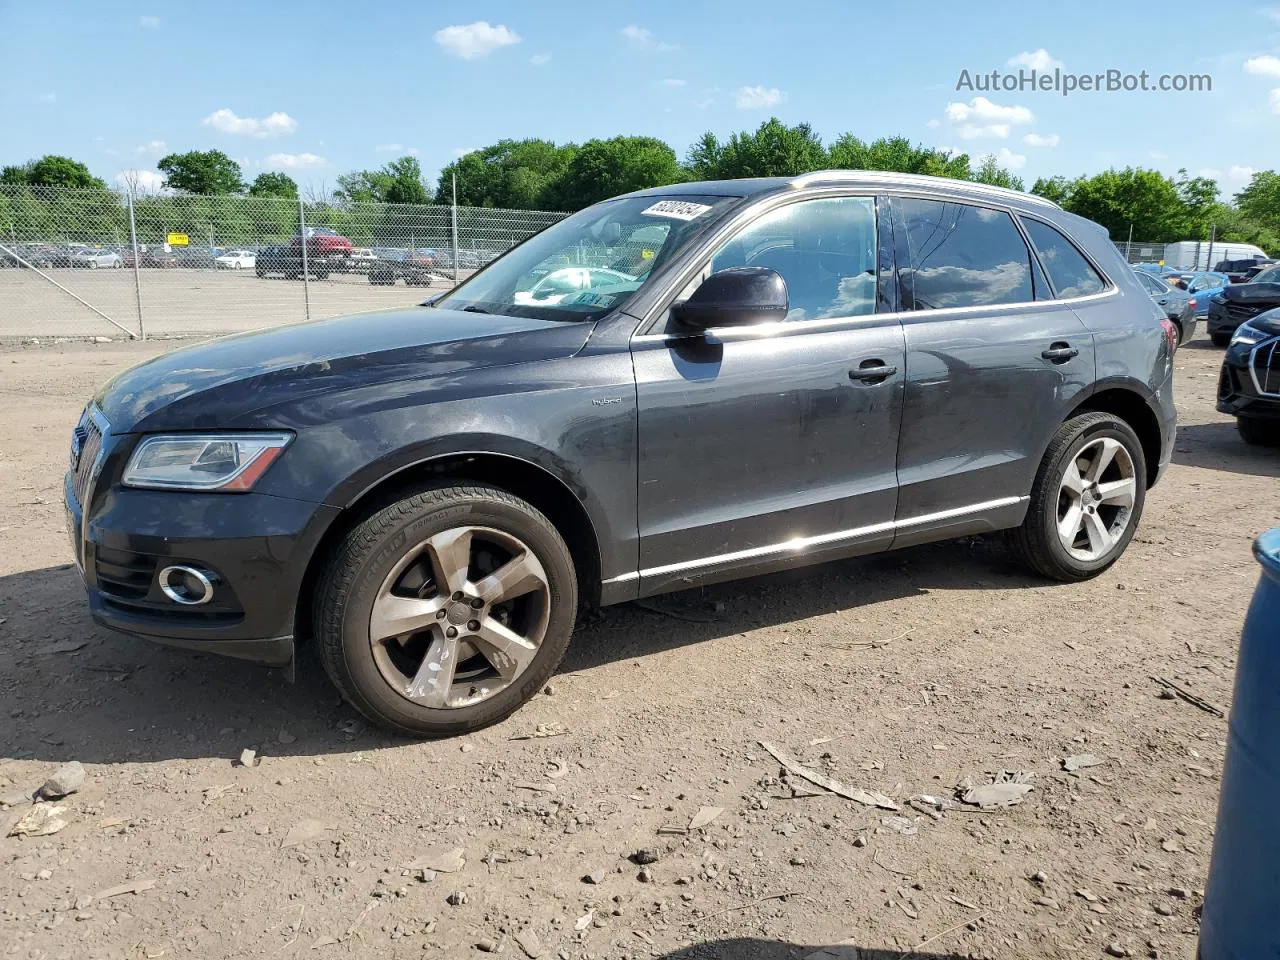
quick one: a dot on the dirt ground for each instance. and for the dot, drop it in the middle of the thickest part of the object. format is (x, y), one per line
(904, 674)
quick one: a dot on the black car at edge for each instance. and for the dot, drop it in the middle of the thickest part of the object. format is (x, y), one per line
(682, 385)
(1249, 385)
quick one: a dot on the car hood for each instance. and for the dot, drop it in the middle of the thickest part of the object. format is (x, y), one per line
(222, 383)
(1251, 293)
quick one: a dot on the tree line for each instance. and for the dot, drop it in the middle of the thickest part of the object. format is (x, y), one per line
(536, 174)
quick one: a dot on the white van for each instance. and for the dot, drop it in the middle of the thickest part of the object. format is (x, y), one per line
(1201, 255)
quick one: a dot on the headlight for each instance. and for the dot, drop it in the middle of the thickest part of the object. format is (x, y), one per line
(215, 462)
(1249, 335)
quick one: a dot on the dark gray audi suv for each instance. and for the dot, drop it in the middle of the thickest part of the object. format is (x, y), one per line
(681, 385)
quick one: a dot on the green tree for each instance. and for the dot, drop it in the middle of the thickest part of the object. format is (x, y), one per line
(704, 157)
(605, 168)
(1117, 198)
(1260, 200)
(1058, 189)
(990, 171)
(403, 183)
(1198, 197)
(897, 154)
(362, 186)
(513, 174)
(51, 171)
(204, 172)
(279, 185)
(773, 150)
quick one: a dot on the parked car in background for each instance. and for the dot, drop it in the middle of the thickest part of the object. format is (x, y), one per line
(812, 368)
(1178, 305)
(1249, 386)
(151, 256)
(197, 258)
(1194, 254)
(286, 259)
(235, 260)
(1237, 302)
(417, 268)
(95, 259)
(1244, 269)
(1202, 286)
(324, 243)
(361, 260)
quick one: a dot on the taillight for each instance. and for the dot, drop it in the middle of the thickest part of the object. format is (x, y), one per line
(1170, 333)
(1192, 303)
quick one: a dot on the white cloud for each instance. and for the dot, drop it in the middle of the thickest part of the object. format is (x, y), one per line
(540, 59)
(753, 98)
(981, 117)
(151, 146)
(149, 23)
(673, 82)
(1263, 66)
(934, 124)
(397, 148)
(1041, 140)
(463, 151)
(1213, 173)
(272, 125)
(1035, 60)
(951, 150)
(703, 103)
(1007, 158)
(642, 38)
(475, 40)
(1240, 174)
(1274, 97)
(294, 161)
(1272, 13)
(1157, 155)
(144, 181)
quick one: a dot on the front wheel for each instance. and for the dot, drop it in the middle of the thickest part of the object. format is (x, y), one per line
(1258, 433)
(445, 611)
(1086, 501)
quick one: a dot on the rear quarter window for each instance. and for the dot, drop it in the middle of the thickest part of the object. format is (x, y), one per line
(1069, 272)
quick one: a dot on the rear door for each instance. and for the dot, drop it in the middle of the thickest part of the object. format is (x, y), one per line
(994, 363)
(766, 443)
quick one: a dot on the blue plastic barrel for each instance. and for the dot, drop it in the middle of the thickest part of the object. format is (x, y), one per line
(1241, 917)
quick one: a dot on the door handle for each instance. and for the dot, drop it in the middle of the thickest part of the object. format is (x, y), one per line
(1060, 353)
(872, 371)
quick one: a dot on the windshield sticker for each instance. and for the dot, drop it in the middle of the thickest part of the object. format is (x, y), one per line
(676, 209)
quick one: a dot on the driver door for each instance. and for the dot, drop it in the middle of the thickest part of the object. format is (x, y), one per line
(758, 445)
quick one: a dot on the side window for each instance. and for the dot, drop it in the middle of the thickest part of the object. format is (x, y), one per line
(963, 256)
(1070, 273)
(826, 250)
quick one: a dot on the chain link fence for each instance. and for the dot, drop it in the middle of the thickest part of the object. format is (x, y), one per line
(83, 263)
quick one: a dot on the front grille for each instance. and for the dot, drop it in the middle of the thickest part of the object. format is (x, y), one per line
(1264, 366)
(88, 443)
(1239, 312)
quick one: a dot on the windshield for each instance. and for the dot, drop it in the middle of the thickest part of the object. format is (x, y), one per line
(590, 263)
(1269, 275)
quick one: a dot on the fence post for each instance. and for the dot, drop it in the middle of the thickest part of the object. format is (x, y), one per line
(455, 228)
(137, 276)
(1213, 234)
(1128, 244)
(302, 234)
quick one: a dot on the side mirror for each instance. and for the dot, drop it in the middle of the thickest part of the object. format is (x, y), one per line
(734, 297)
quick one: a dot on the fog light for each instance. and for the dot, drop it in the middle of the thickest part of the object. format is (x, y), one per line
(185, 585)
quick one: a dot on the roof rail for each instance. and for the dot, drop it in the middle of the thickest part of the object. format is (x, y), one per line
(917, 179)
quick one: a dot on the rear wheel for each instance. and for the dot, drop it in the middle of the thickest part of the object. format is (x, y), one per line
(1259, 433)
(1086, 501)
(1220, 339)
(447, 610)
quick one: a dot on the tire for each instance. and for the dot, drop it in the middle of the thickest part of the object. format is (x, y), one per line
(1258, 433)
(236, 265)
(379, 554)
(1220, 339)
(1038, 543)
(93, 264)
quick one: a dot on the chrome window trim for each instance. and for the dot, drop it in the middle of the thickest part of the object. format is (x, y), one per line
(798, 544)
(771, 201)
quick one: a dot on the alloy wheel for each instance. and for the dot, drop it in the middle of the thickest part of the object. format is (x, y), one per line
(1096, 498)
(460, 617)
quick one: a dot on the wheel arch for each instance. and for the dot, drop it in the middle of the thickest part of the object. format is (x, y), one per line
(521, 477)
(1133, 408)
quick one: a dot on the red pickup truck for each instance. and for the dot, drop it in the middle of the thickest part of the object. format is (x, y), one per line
(324, 243)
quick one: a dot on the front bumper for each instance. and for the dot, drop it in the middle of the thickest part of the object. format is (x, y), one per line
(1249, 384)
(1225, 317)
(255, 549)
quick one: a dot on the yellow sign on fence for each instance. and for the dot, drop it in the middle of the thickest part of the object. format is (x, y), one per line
(177, 240)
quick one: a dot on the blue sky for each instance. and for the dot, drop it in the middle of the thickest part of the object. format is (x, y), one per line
(320, 88)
